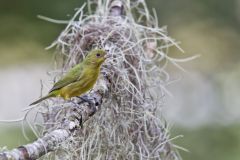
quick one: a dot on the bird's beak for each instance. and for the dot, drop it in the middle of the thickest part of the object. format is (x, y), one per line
(107, 56)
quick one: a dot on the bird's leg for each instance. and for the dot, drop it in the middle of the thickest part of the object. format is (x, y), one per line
(86, 98)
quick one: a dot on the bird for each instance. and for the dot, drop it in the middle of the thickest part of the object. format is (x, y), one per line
(79, 79)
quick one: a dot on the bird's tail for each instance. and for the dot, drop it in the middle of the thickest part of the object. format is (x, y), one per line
(43, 98)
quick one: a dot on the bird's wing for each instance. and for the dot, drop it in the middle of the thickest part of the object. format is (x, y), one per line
(73, 75)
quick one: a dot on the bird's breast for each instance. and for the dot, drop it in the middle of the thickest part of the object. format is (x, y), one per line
(84, 84)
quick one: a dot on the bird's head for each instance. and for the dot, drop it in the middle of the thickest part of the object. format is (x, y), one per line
(96, 57)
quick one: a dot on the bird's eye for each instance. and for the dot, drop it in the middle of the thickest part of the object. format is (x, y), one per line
(98, 54)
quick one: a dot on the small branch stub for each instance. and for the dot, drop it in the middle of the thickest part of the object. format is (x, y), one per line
(116, 8)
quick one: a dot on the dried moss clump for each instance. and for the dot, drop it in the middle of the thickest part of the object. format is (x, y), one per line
(129, 124)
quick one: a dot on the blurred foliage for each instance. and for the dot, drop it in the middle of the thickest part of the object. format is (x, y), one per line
(23, 36)
(221, 11)
(20, 18)
(11, 137)
(206, 27)
(210, 142)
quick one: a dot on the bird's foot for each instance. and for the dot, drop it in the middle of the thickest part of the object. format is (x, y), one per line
(87, 99)
(90, 101)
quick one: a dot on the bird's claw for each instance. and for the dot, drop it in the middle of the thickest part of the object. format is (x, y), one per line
(87, 99)
(90, 101)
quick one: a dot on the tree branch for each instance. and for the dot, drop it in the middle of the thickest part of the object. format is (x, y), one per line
(50, 141)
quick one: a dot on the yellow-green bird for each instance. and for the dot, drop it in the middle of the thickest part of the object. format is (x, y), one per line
(80, 79)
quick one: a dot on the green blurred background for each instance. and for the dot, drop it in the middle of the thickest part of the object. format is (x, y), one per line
(205, 103)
